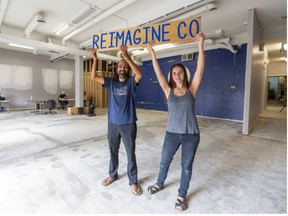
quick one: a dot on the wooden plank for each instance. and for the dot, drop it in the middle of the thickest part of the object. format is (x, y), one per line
(178, 31)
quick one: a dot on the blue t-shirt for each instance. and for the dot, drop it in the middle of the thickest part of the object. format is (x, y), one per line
(121, 100)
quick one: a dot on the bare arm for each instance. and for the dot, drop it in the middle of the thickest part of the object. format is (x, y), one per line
(94, 75)
(197, 78)
(136, 70)
(161, 78)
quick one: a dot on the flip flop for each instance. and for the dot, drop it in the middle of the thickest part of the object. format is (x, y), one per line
(107, 181)
(138, 190)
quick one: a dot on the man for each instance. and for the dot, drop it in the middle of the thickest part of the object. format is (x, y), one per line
(62, 102)
(121, 116)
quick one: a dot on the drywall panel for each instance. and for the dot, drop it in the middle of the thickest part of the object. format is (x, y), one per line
(50, 80)
(23, 78)
(65, 79)
(6, 80)
(16, 77)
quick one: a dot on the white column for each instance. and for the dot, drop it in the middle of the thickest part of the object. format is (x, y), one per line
(79, 81)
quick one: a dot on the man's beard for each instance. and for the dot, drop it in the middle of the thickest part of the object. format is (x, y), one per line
(122, 74)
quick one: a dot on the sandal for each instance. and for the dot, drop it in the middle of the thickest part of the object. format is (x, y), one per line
(108, 181)
(138, 191)
(154, 188)
(181, 205)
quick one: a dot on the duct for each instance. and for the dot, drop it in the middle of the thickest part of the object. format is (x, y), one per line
(176, 47)
(3, 7)
(209, 44)
(102, 16)
(39, 18)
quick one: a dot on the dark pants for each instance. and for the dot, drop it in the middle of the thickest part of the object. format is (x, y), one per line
(128, 135)
(171, 144)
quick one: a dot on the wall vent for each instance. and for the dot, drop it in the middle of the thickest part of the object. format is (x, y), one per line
(187, 57)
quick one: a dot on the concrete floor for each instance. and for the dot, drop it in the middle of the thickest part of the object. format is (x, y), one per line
(55, 164)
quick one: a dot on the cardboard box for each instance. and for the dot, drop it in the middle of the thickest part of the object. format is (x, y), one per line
(85, 110)
(77, 110)
(72, 110)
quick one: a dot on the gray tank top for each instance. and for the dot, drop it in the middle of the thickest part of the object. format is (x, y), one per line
(181, 114)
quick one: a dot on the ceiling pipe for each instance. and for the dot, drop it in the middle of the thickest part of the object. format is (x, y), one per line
(209, 44)
(39, 18)
(182, 14)
(102, 16)
(3, 7)
(226, 44)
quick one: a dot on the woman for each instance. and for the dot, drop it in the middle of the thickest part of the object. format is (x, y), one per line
(182, 127)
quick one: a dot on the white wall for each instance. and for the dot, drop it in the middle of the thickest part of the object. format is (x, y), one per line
(277, 68)
(23, 75)
(255, 77)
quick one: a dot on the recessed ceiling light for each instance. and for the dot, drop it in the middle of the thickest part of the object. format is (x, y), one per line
(83, 14)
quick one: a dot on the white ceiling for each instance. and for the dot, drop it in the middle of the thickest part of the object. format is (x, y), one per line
(227, 21)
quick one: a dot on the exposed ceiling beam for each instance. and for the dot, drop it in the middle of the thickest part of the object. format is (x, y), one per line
(3, 7)
(102, 16)
(39, 45)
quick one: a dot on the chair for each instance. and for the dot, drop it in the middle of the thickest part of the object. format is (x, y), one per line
(51, 104)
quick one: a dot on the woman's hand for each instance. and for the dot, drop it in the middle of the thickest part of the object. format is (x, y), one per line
(150, 45)
(200, 37)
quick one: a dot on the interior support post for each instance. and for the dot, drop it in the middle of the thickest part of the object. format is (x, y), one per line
(79, 81)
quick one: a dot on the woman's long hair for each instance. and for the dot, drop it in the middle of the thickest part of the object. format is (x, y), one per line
(171, 82)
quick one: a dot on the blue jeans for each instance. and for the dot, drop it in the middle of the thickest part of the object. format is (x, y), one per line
(171, 144)
(128, 134)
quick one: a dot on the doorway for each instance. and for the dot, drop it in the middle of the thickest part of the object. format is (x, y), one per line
(277, 92)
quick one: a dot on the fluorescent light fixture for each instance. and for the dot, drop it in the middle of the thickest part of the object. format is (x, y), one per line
(139, 52)
(163, 46)
(63, 28)
(156, 48)
(59, 57)
(21, 46)
(83, 14)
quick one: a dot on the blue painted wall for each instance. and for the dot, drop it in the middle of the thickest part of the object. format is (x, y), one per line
(215, 97)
